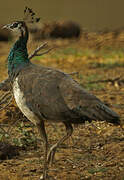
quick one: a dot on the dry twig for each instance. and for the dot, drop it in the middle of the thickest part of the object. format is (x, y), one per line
(35, 53)
(107, 80)
(7, 100)
(74, 73)
(4, 96)
(5, 85)
(117, 82)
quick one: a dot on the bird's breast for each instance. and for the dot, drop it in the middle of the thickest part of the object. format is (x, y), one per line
(21, 103)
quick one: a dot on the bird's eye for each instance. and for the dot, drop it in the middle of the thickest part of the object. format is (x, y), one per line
(15, 25)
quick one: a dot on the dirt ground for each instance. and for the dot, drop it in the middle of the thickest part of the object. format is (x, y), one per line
(96, 150)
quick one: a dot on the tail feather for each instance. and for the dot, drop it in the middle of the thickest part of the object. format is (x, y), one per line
(99, 112)
(104, 113)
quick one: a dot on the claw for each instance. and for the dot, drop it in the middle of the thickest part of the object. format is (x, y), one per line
(44, 176)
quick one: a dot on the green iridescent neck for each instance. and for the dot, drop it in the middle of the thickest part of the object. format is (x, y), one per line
(18, 56)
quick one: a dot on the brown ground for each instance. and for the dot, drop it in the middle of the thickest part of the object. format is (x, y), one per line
(95, 151)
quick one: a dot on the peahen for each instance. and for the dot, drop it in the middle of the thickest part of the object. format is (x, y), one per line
(47, 94)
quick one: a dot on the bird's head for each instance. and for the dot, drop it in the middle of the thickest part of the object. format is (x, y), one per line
(17, 26)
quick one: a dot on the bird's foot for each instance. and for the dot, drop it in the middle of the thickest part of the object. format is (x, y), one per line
(51, 155)
(44, 176)
(50, 158)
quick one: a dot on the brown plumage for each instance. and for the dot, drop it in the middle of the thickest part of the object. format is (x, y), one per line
(57, 97)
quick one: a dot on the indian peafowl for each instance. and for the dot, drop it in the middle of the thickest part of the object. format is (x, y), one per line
(47, 94)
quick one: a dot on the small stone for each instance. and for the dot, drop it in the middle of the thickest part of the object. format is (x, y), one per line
(121, 169)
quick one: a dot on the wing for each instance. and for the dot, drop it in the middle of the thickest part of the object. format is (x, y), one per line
(56, 96)
(41, 89)
(84, 103)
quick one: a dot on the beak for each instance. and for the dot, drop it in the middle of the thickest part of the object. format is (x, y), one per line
(6, 26)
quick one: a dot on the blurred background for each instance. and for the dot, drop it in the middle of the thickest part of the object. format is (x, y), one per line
(91, 14)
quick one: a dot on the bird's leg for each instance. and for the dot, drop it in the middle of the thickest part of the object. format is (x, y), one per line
(51, 153)
(41, 129)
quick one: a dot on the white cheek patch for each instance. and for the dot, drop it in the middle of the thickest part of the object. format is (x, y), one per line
(19, 26)
(15, 30)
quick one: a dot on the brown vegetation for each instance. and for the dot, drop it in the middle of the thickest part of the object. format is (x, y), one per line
(66, 29)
